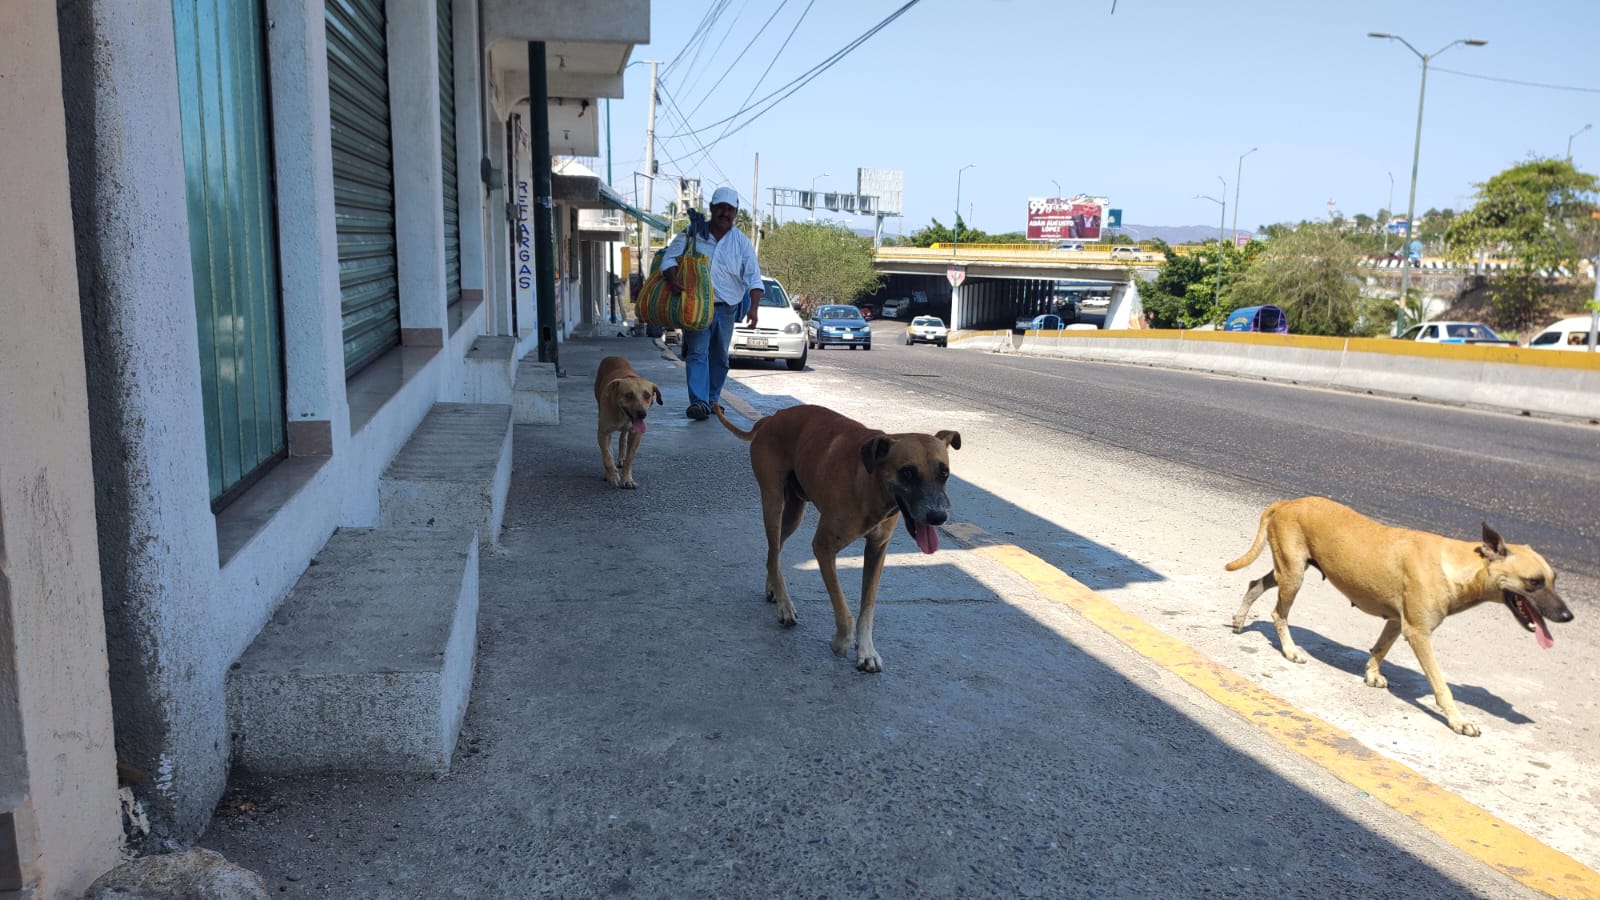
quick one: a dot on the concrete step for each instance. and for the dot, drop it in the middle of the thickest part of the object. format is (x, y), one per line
(453, 473)
(490, 369)
(536, 399)
(368, 664)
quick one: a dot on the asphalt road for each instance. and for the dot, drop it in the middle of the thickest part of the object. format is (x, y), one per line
(1407, 463)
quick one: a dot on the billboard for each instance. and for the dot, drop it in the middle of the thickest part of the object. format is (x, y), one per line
(1056, 219)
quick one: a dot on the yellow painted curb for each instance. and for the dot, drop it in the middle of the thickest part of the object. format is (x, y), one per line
(1482, 835)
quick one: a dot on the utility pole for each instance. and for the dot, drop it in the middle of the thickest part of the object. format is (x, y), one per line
(755, 203)
(649, 174)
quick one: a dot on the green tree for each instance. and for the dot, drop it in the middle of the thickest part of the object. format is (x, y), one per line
(1311, 274)
(1183, 292)
(819, 262)
(1540, 212)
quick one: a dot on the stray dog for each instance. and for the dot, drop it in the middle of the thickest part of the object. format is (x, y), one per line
(624, 401)
(1410, 579)
(862, 481)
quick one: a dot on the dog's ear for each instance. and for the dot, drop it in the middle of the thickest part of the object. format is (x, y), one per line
(952, 439)
(657, 392)
(874, 450)
(1494, 547)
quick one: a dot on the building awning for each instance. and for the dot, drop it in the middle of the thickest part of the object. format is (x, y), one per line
(613, 199)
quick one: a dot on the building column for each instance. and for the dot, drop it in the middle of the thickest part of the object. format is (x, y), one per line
(316, 403)
(418, 169)
(158, 539)
(59, 821)
(470, 190)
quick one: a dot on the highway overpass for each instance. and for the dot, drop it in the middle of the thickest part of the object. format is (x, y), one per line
(996, 283)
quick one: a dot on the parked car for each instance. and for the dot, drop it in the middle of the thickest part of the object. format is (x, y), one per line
(779, 333)
(927, 330)
(866, 310)
(1453, 333)
(893, 308)
(840, 326)
(1566, 334)
(1044, 322)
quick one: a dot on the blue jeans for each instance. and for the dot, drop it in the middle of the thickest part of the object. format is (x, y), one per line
(705, 356)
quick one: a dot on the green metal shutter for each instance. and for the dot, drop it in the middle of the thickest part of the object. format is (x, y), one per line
(363, 178)
(447, 147)
(233, 240)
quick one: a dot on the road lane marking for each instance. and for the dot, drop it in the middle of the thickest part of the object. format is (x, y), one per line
(1482, 835)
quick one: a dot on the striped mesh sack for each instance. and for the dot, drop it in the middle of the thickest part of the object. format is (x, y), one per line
(690, 309)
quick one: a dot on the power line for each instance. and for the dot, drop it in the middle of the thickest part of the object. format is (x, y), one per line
(802, 80)
(771, 62)
(677, 112)
(742, 52)
(1553, 87)
(716, 52)
(700, 31)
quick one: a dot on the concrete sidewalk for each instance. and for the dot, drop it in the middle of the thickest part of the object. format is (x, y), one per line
(640, 725)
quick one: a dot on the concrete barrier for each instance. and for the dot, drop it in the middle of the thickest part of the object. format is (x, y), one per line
(1549, 382)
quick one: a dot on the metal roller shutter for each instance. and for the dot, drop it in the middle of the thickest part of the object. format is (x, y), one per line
(447, 148)
(363, 178)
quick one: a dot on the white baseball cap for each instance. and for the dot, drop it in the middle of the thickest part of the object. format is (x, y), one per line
(725, 195)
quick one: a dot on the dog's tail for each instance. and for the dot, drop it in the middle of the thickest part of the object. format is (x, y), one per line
(1255, 548)
(740, 433)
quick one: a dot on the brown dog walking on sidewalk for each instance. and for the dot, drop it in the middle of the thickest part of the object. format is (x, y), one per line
(624, 400)
(1410, 579)
(862, 481)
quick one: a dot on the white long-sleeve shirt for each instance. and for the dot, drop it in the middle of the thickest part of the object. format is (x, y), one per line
(735, 270)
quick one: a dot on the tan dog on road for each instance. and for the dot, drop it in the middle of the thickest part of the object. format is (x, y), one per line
(1410, 579)
(624, 401)
(862, 482)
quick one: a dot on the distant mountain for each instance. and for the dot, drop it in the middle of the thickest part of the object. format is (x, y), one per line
(1173, 234)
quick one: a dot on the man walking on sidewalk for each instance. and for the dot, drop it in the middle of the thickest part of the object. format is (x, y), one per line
(734, 272)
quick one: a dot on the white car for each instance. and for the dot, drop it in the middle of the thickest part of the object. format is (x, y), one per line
(1129, 252)
(779, 331)
(927, 330)
(1567, 334)
(1453, 333)
(892, 309)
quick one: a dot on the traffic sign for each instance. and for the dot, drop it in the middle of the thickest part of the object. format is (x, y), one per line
(956, 275)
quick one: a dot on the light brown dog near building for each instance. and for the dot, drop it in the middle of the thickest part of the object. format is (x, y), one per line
(624, 400)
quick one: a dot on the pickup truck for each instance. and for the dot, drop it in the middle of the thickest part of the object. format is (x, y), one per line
(1454, 333)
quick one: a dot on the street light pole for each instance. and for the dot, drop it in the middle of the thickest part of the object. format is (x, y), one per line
(1389, 211)
(1416, 155)
(1058, 184)
(1238, 176)
(1222, 219)
(814, 194)
(956, 226)
(1573, 135)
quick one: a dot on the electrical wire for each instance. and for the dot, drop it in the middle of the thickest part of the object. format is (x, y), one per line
(716, 53)
(800, 81)
(771, 62)
(1553, 87)
(699, 33)
(742, 52)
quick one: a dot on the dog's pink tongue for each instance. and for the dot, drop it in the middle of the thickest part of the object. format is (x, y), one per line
(1542, 633)
(927, 537)
(638, 426)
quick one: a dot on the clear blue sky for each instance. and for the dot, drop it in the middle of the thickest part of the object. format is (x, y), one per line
(1146, 106)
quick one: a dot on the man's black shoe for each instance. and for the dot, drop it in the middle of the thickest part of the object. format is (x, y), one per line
(699, 412)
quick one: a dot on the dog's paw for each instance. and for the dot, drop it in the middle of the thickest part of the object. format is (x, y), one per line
(1375, 680)
(1296, 655)
(613, 478)
(841, 644)
(628, 484)
(871, 665)
(1463, 727)
(1238, 624)
(786, 614)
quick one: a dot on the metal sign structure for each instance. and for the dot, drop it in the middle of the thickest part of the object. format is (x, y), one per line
(879, 193)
